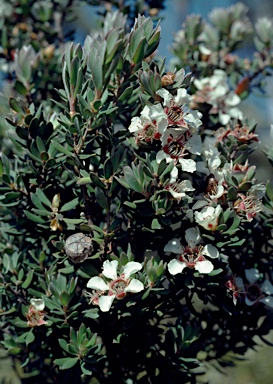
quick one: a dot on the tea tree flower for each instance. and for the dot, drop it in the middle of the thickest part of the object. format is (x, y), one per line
(193, 255)
(178, 189)
(236, 285)
(241, 132)
(256, 292)
(177, 144)
(215, 91)
(208, 218)
(112, 285)
(150, 125)
(251, 203)
(35, 314)
(175, 109)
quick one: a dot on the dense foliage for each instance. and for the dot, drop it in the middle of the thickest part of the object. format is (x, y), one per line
(135, 241)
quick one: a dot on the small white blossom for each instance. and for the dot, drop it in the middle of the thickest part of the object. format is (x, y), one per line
(208, 218)
(193, 255)
(178, 189)
(113, 285)
(176, 144)
(256, 292)
(38, 304)
(214, 90)
(150, 125)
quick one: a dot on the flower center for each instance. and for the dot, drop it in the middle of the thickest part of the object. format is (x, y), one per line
(117, 288)
(175, 115)
(191, 256)
(148, 133)
(175, 147)
(212, 185)
(253, 292)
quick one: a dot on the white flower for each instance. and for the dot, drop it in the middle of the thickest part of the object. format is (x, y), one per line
(38, 304)
(178, 189)
(192, 255)
(256, 292)
(150, 125)
(35, 314)
(177, 112)
(178, 143)
(180, 99)
(208, 218)
(113, 286)
(214, 90)
(251, 203)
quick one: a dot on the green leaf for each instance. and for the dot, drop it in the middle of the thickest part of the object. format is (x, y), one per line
(96, 180)
(60, 148)
(40, 144)
(64, 298)
(30, 338)
(91, 313)
(14, 104)
(108, 169)
(84, 180)
(66, 362)
(20, 88)
(131, 180)
(140, 51)
(42, 197)
(63, 345)
(156, 224)
(126, 94)
(28, 280)
(72, 221)
(22, 132)
(269, 190)
(70, 205)
(102, 199)
(32, 217)
(74, 69)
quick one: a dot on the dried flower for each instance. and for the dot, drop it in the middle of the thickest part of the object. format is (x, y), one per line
(35, 314)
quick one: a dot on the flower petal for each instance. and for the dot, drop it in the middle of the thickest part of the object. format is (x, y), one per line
(268, 301)
(38, 304)
(194, 145)
(105, 302)
(204, 266)
(176, 266)
(267, 287)
(192, 237)
(166, 96)
(134, 286)
(160, 156)
(174, 246)
(252, 275)
(97, 283)
(211, 251)
(110, 269)
(249, 302)
(130, 268)
(187, 165)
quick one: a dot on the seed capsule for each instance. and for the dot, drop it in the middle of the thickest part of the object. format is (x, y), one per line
(78, 247)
